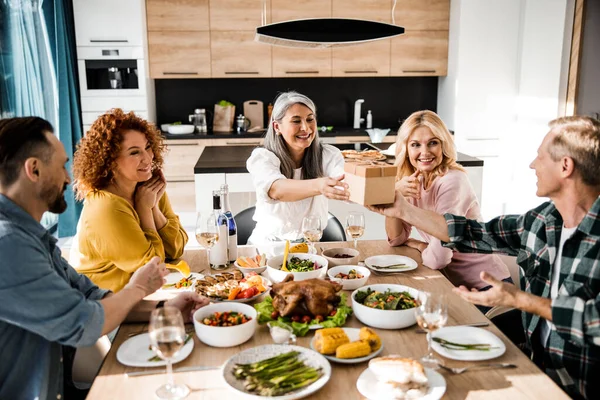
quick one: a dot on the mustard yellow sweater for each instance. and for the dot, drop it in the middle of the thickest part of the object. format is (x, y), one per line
(110, 244)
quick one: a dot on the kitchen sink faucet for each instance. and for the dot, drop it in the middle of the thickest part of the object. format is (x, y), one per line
(357, 119)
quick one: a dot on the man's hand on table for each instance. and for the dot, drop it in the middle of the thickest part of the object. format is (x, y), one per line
(188, 303)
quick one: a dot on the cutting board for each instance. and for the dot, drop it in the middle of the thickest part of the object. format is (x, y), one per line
(253, 110)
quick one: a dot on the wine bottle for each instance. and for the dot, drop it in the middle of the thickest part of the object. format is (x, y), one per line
(218, 254)
(231, 225)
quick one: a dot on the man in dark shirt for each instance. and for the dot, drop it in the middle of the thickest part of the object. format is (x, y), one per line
(44, 303)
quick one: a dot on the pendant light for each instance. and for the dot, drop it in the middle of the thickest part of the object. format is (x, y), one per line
(325, 32)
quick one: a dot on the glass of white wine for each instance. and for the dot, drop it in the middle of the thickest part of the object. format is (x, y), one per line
(432, 314)
(167, 337)
(207, 231)
(312, 229)
(355, 226)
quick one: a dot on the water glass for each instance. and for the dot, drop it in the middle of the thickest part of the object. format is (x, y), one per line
(167, 337)
(432, 314)
(207, 231)
(312, 229)
(355, 226)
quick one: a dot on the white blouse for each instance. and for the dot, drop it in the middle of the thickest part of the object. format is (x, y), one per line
(279, 220)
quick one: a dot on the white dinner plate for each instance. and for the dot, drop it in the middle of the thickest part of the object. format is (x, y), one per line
(368, 385)
(310, 357)
(464, 335)
(175, 277)
(390, 259)
(135, 352)
(354, 335)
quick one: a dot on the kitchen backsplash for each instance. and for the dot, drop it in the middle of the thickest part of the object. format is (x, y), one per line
(389, 99)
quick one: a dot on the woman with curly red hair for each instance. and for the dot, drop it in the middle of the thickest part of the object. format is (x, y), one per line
(127, 218)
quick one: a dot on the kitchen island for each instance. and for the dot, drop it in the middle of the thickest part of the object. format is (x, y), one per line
(218, 165)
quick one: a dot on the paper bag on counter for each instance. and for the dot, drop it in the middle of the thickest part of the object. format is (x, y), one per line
(370, 182)
(223, 118)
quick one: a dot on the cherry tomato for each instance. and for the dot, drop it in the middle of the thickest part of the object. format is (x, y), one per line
(333, 312)
(319, 318)
(295, 318)
(248, 293)
(275, 315)
(306, 319)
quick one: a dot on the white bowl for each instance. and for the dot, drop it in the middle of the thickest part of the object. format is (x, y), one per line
(225, 336)
(333, 261)
(349, 284)
(181, 129)
(385, 319)
(277, 275)
(165, 127)
(247, 270)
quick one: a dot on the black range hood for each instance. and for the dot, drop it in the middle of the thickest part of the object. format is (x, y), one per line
(325, 32)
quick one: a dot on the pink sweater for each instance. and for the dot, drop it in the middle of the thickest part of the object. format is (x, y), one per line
(452, 193)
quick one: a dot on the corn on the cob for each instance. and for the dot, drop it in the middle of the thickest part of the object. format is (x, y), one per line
(356, 349)
(327, 342)
(369, 335)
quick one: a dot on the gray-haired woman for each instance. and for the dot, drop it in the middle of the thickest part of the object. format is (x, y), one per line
(294, 174)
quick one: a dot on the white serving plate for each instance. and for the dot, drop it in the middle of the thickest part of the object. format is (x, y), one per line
(468, 334)
(390, 259)
(135, 352)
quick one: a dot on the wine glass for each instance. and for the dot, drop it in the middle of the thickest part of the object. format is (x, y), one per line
(167, 337)
(312, 229)
(207, 231)
(432, 314)
(355, 226)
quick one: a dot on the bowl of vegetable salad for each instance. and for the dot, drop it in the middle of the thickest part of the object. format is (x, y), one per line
(301, 265)
(225, 324)
(385, 306)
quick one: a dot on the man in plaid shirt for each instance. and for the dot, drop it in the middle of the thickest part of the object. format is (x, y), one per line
(558, 249)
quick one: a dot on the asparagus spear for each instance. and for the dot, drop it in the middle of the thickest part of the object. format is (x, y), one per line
(463, 346)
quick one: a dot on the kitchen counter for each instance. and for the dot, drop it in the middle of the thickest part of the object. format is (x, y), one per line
(215, 159)
(260, 134)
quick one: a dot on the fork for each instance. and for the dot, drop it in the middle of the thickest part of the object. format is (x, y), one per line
(458, 371)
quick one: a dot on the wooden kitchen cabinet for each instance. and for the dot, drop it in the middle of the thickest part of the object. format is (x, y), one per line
(177, 15)
(291, 62)
(433, 15)
(181, 157)
(179, 54)
(235, 54)
(373, 10)
(237, 15)
(286, 10)
(389, 138)
(368, 59)
(419, 53)
(238, 142)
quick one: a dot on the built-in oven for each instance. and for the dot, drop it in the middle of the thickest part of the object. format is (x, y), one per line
(111, 71)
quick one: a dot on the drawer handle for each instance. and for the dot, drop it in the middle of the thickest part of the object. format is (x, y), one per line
(182, 144)
(109, 40)
(241, 72)
(365, 140)
(362, 72)
(420, 71)
(180, 73)
(301, 72)
(244, 143)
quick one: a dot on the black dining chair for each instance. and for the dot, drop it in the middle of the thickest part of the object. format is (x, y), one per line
(334, 231)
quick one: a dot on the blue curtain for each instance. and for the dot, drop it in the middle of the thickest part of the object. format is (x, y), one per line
(61, 31)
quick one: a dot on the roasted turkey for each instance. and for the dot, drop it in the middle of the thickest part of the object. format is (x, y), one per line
(310, 297)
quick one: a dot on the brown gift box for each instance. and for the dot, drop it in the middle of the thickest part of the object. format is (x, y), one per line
(370, 182)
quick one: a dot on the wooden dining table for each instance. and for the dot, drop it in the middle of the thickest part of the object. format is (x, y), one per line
(526, 381)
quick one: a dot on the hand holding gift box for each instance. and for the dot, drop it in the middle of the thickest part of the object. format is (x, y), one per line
(370, 182)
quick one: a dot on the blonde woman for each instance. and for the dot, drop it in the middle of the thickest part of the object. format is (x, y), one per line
(430, 178)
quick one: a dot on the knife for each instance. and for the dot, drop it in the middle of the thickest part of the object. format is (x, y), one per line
(419, 330)
(162, 371)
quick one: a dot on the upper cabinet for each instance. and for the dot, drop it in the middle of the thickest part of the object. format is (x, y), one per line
(235, 54)
(92, 19)
(419, 53)
(368, 59)
(286, 10)
(373, 10)
(177, 15)
(237, 15)
(432, 15)
(179, 54)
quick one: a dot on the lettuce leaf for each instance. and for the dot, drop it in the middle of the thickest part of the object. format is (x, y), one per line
(265, 309)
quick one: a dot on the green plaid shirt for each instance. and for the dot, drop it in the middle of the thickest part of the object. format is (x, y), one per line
(573, 349)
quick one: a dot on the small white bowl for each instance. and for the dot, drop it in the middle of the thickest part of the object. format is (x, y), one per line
(247, 270)
(385, 319)
(349, 284)
(181, 129)
(165, 127)
(333, 261)
(225, 336)
(277, 275)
